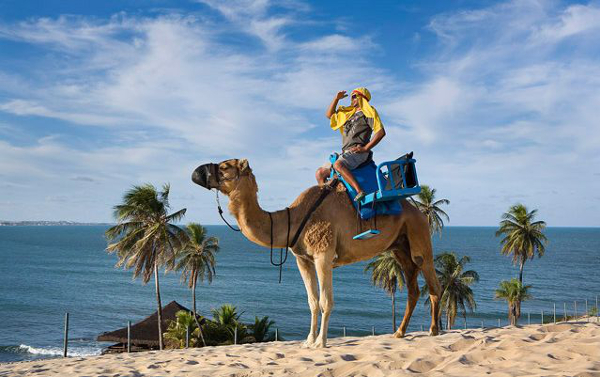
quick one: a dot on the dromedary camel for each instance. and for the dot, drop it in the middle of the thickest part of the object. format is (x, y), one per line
(326, 240)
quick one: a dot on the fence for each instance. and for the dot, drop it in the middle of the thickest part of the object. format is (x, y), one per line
(552, 316)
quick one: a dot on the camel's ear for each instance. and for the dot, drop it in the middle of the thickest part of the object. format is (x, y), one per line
(243, 165)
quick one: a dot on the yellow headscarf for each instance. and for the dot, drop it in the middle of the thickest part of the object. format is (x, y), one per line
(344, 113)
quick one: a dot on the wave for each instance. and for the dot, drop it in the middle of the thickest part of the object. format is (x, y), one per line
(51, 351)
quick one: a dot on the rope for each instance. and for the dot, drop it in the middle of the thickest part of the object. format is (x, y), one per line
(221, 213)
(287, 242)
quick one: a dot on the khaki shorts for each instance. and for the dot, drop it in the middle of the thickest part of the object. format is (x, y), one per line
(350, 160)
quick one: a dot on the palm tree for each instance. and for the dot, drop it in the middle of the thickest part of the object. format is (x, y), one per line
(145, 237)
(177, 331)
(456, 291)
(514, 292)
(260, 329)
(522, 237)
(427, 204)
(387, 275)
(197, 260)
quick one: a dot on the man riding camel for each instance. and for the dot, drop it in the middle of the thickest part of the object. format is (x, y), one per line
(356, 123)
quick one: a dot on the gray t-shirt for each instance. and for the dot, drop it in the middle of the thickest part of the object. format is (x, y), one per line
(357, 131)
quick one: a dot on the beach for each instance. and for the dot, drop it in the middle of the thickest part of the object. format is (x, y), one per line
(571, 349)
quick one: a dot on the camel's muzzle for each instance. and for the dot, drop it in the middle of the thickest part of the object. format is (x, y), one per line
(207, 176)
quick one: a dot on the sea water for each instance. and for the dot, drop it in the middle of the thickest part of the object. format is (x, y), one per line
(47, 271)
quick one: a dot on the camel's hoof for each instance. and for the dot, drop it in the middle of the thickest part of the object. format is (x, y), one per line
(319, 343)
(434, 332)
(398, 334)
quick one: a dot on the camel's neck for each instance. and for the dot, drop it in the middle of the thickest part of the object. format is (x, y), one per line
(253, 221)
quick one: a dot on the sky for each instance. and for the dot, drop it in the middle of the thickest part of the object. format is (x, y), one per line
(498, 100)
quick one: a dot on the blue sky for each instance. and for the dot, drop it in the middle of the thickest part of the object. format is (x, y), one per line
(499, 100)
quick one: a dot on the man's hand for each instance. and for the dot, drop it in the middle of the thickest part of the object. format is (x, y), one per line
(359, 149)
(340, 95)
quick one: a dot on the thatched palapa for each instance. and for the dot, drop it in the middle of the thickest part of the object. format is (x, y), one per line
(145, 333)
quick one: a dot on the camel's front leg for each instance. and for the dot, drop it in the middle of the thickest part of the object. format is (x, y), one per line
(324, 268)
(307, 271)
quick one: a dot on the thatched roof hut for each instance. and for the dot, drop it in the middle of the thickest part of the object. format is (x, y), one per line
(144, 334)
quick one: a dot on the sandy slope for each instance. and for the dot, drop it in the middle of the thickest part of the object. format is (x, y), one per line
(565, 349)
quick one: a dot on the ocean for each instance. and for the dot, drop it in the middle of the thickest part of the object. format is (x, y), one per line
(47, 271)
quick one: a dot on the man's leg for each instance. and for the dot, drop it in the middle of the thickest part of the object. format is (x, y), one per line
(347, 175)
(321, 175)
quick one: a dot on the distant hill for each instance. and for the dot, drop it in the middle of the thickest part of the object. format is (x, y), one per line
(46, 223)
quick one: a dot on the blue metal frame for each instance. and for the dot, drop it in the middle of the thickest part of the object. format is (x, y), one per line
(382, 194)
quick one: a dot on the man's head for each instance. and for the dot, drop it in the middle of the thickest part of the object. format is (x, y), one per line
(359, 95)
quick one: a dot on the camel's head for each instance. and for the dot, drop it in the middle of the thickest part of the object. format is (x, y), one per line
(224, 176)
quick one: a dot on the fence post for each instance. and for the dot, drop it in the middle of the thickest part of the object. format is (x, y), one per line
(187, 336)
(235, 335)
(276, 334)
(555, 313)
(529, 318)
(66, 344)
(498, 322)
(482, 324)
(542, 317)
(422, 328)
(344, 331)
(373, 330)
(587, 313)
(575, 310)
(128, 336)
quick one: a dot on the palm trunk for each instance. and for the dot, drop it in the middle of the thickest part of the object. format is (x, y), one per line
(394, 310)
(522, 264)
(448, 322)
(160, 334)
(194, 309)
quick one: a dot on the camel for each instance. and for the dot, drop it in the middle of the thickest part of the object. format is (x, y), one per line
(326, 240)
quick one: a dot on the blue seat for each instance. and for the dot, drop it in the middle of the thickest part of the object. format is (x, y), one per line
(384, 184)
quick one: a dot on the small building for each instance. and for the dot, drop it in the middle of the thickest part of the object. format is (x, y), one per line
(144, 334)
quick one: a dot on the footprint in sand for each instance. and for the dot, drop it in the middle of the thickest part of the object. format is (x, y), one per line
(462, 344)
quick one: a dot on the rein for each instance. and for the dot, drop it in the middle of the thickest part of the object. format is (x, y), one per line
(324, 192)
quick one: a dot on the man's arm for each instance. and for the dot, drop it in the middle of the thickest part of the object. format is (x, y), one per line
(333, 105)
(371, 144)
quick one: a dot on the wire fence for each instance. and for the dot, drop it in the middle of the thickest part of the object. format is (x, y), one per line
(586, 313)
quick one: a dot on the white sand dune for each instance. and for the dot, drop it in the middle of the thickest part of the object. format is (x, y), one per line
(564, 349)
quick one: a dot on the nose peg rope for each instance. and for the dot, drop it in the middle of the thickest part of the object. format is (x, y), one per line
(221, 212)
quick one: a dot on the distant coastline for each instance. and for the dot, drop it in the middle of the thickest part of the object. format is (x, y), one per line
(46, 223)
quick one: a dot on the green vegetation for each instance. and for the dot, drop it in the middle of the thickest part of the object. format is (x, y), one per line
(514, 292)
(221, 330)
(387, 275)
(145, 236)
(523, 237)
(455, 282)
(427, 204)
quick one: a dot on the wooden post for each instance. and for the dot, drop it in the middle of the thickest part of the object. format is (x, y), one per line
(587, 313)
(422, 328)
(187, 336)
(554, 313)
(575, 310)
(498, 322)
(128, 336)
(235, 335)
(542, 317)
(565, 308)
(276, 334)
(482, 324)
(465, 322)
(344, 331)
(66, 344)
(373, 330)
(529, 318)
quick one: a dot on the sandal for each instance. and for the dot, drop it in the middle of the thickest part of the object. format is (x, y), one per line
(359, 196)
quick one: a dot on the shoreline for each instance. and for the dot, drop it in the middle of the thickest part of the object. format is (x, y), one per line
(563, 348)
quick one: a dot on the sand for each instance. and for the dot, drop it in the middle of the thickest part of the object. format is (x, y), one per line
(564, 349)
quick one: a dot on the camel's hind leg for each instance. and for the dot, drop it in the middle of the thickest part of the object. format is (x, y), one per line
(411, 272)
(307, 271)
(435, 290)
(324, 267)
